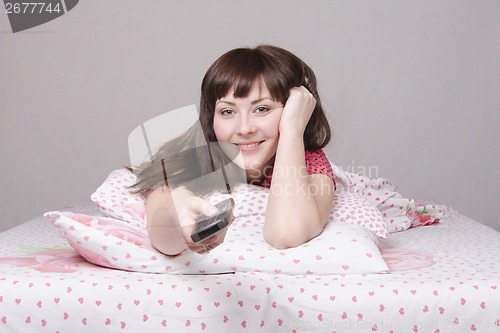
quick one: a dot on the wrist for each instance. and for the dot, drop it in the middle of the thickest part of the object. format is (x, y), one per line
(291, 136)
(181, 193)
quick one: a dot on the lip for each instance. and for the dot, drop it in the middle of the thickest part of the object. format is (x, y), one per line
(248, 146)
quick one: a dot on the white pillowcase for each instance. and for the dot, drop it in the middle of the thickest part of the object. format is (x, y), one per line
(348, 244)
(115, 199)
(341, 248)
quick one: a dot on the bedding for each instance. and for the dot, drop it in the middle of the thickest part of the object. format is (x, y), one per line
(112, 243)
(115, 199)
(120, 240)
(442, 277)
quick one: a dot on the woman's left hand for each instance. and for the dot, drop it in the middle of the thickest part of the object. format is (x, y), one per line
(297, 111)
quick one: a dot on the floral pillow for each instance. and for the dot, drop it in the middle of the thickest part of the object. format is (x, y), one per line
(115, 199)
(342, 248)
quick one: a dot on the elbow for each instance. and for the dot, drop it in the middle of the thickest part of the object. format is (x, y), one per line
(286, 239)
(287, 234)
(281, 243)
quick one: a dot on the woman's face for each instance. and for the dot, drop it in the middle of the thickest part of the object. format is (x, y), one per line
(251, 124)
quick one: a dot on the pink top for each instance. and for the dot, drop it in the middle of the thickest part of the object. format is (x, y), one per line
(316, 163)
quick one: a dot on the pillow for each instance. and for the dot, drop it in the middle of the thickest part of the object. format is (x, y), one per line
(350, 208)
(115, 199)
(381, 194)
(342, 248)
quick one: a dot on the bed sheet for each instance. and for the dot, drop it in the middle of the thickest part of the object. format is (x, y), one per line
(444, 278)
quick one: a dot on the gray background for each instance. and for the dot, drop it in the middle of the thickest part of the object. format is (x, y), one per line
(411, 89)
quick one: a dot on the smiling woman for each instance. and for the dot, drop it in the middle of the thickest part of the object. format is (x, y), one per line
(250, 123)
(262, 109)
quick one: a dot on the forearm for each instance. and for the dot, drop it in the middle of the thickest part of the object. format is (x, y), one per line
(293, 216)
(163, 224)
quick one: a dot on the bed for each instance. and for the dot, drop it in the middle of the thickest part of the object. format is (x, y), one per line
(439, 277)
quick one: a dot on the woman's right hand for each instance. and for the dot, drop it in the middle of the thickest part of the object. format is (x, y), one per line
(297, 111)
(188, 208)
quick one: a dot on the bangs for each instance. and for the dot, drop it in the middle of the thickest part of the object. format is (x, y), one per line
(238, 70)
(241, 69)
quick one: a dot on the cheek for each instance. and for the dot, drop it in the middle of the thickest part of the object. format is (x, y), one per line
(221, 132)
(271, 125)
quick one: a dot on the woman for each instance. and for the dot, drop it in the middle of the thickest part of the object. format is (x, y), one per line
(264, 103)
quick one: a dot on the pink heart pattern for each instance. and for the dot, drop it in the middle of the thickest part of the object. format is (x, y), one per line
(118, 244)
(53, 289)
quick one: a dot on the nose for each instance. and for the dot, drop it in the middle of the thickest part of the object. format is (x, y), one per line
(245, 126)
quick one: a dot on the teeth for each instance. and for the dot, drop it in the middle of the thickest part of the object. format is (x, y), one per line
(250, 145)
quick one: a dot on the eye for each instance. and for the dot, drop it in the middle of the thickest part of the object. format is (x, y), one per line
(262, 109)
(226, 112)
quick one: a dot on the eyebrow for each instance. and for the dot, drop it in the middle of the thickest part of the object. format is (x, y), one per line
(253, 102)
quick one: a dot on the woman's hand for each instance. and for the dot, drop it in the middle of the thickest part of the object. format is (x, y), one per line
(297, 111)
(188, 208)
(298, 213)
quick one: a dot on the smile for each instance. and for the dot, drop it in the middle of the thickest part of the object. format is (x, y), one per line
(246, 146)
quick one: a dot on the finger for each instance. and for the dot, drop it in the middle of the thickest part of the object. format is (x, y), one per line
(201, 249)
(202, 207)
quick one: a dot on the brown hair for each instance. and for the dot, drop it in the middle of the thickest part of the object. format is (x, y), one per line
(238, 69)
(280, 70)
